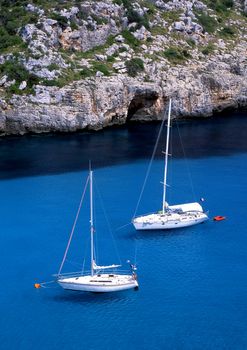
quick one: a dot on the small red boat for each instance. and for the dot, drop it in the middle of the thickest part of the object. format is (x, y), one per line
(219, 218)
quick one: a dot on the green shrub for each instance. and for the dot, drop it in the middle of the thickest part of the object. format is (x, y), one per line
(208, 23)
(86, 73)
(227, 32)
(7, 40)
(73, 25)
(16, 71)
(99, 20)
(62, 21)
(53, 66)
(207, 50)
(191, 42)
(134, 17)
(132, 14)
(173, 54)
(13, 89)
(69, 75)
(52, 82)
(150, 6)
(83, 15)
(97, 66)
(14, 16)
(110, 59)
(134, 66)
(176, 55)
(220, 5)
(171, 16)
(130, 39)
(228, 3)
(117, 2)
(158, 30)
(186, 54)
(110, 40)
(12, 26)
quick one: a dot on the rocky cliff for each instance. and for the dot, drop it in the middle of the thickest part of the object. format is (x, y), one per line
(93, 64)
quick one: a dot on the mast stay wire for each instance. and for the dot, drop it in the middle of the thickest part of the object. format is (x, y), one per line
(146, 177)
(73, 227)
(107, 220)
(186, 162)
(150, 164)
(85, 255)
(171, 163)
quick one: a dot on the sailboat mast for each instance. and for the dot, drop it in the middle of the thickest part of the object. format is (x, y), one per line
(91, 220)
(166, 156)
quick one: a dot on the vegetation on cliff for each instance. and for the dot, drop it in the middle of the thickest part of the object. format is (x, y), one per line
(56, 42)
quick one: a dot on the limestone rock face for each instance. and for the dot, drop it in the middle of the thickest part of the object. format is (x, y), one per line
(76, 64)
(92, 105)
(197, 90)
(85, 39)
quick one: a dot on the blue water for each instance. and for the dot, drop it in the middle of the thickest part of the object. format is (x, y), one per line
(193, 281)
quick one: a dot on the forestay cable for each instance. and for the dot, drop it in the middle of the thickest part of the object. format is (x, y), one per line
(186, 163)
(150, 165)
(73, 228)
(107, 220)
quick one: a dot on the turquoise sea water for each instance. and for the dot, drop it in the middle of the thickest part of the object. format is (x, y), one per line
(193, 281)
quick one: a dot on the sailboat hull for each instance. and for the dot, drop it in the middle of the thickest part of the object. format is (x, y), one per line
(168, 221)
(99, 283)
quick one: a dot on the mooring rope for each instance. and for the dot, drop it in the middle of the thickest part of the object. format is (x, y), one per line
(44, 284)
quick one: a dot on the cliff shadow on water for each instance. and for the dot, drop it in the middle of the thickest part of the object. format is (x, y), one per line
(32, 155)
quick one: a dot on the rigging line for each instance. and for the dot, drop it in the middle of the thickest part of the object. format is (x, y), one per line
(120, 227)
(73, 227)
(44, 284)
(150, 164)
(95, 247)
(135, 252)
(171, 163)
(84, 259)
(85, 251)
(187, 163)
(135, 259)
(73, 263)
(137, 248)
(107, 221)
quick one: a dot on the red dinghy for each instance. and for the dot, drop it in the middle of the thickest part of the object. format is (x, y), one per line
(219, 218)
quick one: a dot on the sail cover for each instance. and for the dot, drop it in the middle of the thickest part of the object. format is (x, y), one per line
(97, 267)
(187, 207)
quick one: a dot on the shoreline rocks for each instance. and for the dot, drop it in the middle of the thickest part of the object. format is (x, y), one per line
(197, 91)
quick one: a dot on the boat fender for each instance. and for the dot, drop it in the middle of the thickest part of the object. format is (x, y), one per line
(219, 218)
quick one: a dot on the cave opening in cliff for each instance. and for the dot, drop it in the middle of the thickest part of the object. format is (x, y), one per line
(140, 104)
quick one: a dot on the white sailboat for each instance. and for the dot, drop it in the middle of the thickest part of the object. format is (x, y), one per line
(171, 216)
(97, 280)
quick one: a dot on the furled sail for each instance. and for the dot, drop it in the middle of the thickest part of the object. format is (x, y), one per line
(97, 267)
(187, 207)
